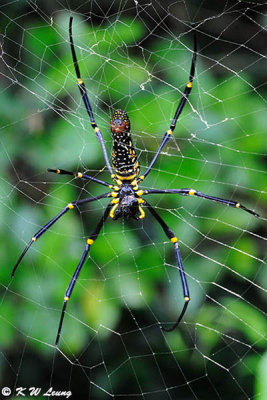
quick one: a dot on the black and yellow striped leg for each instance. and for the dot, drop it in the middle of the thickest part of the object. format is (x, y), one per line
(83, 92)
(178, 111)
(76, 274)
(171, 235)
(79, 175)
(38, 234)
(193, 192)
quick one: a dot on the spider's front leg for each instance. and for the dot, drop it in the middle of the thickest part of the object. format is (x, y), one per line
(87, 104)
(169, 132)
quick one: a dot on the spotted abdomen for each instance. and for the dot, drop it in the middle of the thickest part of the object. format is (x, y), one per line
(124, 158)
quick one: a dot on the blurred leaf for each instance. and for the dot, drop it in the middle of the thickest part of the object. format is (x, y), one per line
(261, 383)
(250, 320)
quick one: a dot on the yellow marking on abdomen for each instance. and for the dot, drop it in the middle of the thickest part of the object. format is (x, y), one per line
(136, 165)
(127, 178)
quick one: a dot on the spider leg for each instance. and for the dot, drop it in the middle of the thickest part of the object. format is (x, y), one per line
(38, 234)
(83, 92)
(178, 111)
(80, 175)
(171, 235)
(73, 281)
(192, 192)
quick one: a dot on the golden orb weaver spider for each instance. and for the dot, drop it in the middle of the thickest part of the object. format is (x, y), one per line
(126, 197)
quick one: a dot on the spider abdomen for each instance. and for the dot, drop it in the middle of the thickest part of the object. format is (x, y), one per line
(124, 158)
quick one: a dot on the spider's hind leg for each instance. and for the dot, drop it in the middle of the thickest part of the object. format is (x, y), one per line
(171, 235)
(76, 274)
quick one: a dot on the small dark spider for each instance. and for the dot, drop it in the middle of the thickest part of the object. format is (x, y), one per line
(126, 196)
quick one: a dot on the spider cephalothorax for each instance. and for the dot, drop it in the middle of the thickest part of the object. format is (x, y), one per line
(125, 195)
(127, 205)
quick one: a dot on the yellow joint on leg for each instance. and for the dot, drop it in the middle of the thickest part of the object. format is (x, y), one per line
(116, 178)
(96, 129)
(58, 171)
(80, 81)
(141, 177)
(169, 131)
(191, 192)
(90, 241)
(189, 85)
(174, 239)
(140, 201)
(114, 194)
(142, 213)
(237, 205)
(80, 175)
(134, 183)
(70, 205)
(115, 201)
(186, 299)
(140, 192)
(66, 298)
(112, 211)
(34, 239)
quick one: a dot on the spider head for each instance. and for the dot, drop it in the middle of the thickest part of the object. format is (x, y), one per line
(120, 122)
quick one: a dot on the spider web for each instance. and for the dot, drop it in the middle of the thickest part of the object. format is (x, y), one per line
(134, 55)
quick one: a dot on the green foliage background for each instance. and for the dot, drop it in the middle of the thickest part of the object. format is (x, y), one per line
(43, 124)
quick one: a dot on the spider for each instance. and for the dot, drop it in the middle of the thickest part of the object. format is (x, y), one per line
(126, 198)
